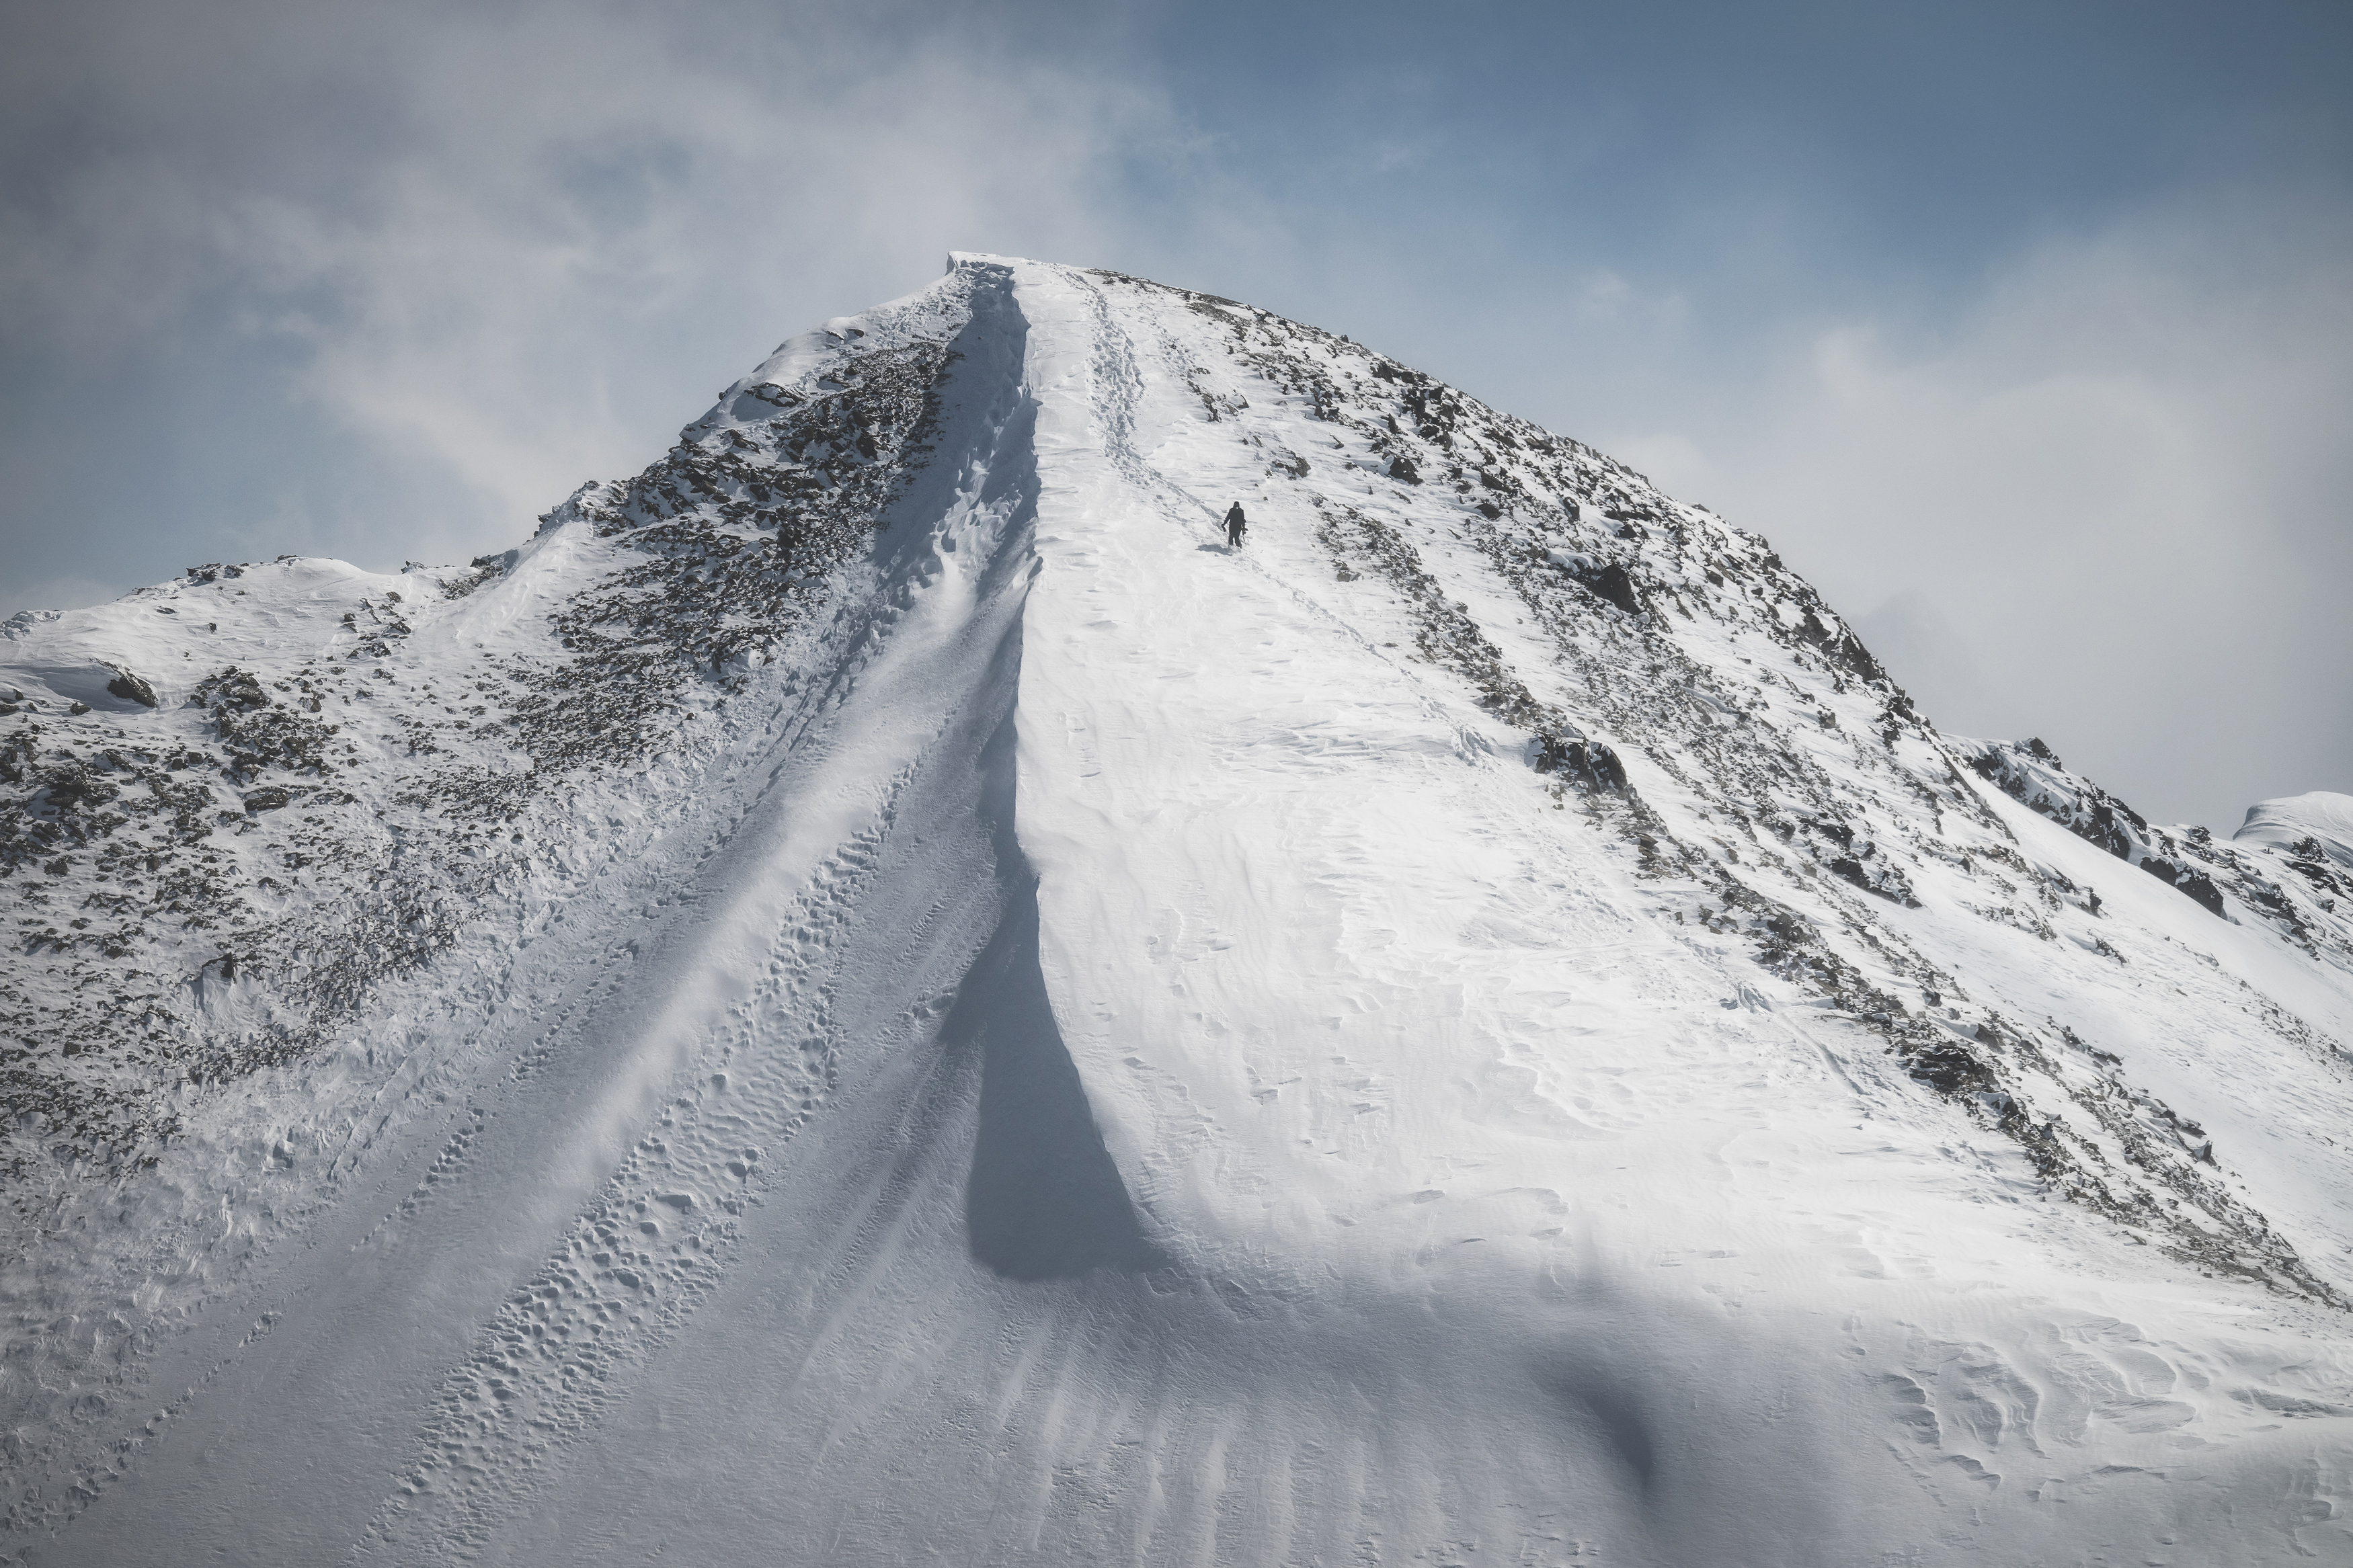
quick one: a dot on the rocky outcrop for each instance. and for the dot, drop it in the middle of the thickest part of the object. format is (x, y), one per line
(131, 688)
(2230, 880)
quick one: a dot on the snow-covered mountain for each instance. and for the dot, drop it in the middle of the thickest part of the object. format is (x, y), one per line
(877, 994)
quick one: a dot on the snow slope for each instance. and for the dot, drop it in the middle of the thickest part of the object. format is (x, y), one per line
(2319, 817)
(877, 994)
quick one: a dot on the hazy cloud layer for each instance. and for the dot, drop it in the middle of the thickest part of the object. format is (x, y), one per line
(2121, 477)
(2024, 334)
(446, 271)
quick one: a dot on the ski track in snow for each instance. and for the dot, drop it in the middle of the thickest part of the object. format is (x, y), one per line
(1105, 1050)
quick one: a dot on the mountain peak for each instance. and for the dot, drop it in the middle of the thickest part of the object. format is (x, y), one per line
(891, 973)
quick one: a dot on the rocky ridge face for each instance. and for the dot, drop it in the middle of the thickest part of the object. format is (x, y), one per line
(217, 889)
(2293, 888)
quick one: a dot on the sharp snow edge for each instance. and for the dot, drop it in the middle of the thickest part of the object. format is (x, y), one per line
(877, 992)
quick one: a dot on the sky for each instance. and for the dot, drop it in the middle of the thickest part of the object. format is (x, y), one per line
(2025, 330)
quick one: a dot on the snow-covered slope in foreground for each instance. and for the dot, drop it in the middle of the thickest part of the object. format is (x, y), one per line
(877, 994)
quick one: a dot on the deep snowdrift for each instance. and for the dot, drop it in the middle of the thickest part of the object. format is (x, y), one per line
(877, 994)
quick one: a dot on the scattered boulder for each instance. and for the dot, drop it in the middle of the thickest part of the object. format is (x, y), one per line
(1612, 583)
(130, 688)
(2197, 884)
(92, 683)
(1588, 763)
(1949, 1068)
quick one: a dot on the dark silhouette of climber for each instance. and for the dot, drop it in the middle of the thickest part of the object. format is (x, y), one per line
(1235, 524)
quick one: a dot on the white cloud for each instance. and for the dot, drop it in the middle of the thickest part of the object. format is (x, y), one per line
(508, 248)
(544, 219)
(2122, 471)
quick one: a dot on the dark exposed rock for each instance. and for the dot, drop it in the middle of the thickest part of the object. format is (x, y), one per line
(1588, 762)
(1949, 1068)
(1843, 648)
(1610, 584)
(2227, 880)
(1447, 635)
(130, 688)
(2082, 808)
(2199, 886)
(260, 733)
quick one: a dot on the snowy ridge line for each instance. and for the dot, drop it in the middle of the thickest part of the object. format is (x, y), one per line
(1119, 406)
(1560, 746)
(2301, 906)
(565, 1344)
(1926, 778)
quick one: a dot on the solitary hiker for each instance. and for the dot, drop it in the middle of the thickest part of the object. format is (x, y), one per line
(1235, 524)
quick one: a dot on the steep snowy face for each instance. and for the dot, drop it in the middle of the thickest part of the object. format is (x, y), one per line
(881, 992)
(1764, 782)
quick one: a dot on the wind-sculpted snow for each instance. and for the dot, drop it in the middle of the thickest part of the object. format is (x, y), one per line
(877, 994)
(2319, 825)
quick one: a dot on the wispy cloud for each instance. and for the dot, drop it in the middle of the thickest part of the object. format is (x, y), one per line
(563, 221)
